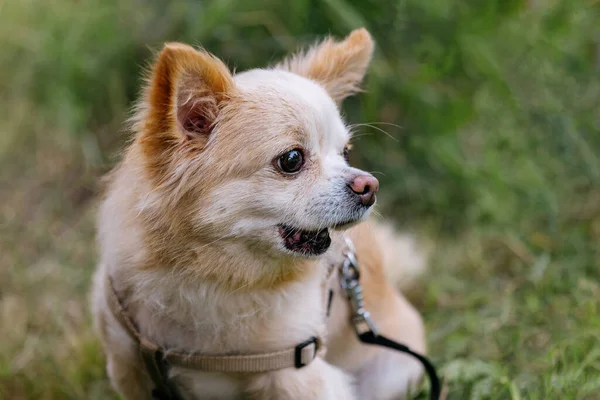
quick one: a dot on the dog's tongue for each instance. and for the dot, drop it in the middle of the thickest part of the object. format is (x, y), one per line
(305, 237)
(297, 237)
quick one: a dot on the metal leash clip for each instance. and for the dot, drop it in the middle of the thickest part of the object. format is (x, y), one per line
(364, 326)
(361, 318)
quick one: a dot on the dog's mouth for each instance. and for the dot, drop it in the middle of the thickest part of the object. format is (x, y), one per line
(308, 243)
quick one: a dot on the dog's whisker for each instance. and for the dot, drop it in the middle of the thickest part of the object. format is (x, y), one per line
(291, 232)
(379, 129)
(213, 242)
(381, 123)
(359, 135)
(237, 290)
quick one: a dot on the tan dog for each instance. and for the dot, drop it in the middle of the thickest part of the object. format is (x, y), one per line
(220, 223)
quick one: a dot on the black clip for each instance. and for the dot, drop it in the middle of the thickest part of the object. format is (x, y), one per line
(298, 351)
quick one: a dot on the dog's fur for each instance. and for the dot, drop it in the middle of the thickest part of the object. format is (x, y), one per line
(188, 230)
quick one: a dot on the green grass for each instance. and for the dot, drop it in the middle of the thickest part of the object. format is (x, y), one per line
(496, 161)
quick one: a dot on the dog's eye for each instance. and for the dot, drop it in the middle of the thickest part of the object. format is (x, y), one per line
(291, 162)
(346, 154)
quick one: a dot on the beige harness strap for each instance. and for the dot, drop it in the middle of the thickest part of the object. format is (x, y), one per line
(296, 357)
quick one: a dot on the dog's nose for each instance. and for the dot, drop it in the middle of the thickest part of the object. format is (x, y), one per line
(365, 186)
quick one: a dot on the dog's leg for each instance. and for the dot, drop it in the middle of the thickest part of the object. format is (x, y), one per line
(124, 366)
(127, 378)
(319, 380)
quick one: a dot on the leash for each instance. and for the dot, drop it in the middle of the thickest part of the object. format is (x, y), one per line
(158, 361)
(363, 324)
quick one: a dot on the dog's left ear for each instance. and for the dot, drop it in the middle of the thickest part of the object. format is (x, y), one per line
(185, 94)
(338, 66)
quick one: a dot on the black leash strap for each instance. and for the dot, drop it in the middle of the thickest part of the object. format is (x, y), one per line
(157, 368)
(434, 382)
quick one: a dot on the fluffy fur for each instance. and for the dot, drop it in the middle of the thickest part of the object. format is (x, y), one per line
(188, 230)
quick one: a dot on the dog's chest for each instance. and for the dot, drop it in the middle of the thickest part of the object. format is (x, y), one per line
(209, 320)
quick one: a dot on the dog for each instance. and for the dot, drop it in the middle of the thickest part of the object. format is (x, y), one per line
(219, 227)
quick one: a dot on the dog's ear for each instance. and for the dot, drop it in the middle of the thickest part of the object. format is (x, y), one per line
(185, 94)
(337, 66)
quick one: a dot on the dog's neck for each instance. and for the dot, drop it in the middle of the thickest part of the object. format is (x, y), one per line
(180, 308)
(230, 264)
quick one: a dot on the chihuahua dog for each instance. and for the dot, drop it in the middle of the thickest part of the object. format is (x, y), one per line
(219, 226)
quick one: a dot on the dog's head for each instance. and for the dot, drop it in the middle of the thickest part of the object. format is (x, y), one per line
(258, 157)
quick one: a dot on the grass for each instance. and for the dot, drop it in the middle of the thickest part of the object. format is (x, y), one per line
(496, 161)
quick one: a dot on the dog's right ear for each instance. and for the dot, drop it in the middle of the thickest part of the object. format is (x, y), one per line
(184, 96)
(339, 66)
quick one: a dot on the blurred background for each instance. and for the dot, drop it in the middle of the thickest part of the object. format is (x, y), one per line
(485, 136)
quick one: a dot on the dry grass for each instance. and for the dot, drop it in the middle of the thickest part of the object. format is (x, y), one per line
(497, 163)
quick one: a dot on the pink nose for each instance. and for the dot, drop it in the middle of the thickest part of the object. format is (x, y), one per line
(365, 186)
